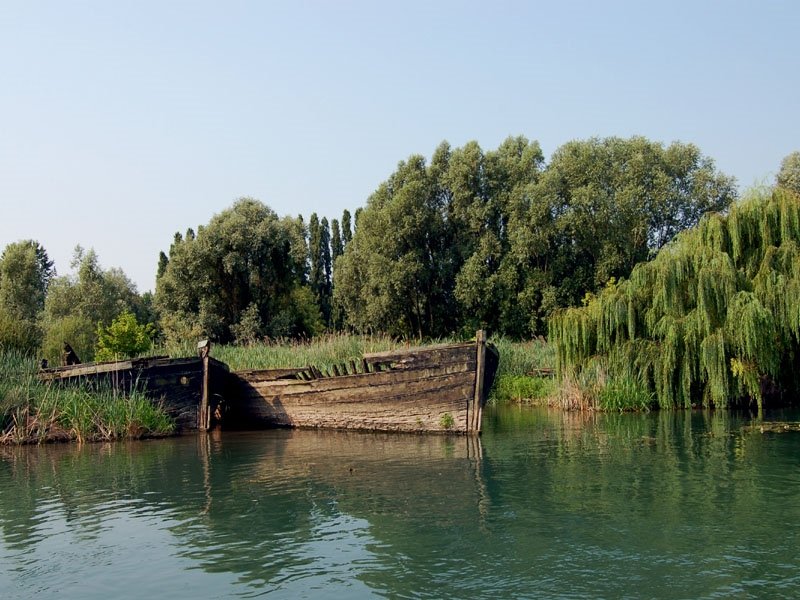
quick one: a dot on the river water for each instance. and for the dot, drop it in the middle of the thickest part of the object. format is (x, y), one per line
(544, 505)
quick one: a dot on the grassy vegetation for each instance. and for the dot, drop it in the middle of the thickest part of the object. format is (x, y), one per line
(33, 411)
(322, 352)
(525, 372)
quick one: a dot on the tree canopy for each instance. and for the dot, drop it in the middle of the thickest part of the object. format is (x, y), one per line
(500, 240)
(713, 319)
(25, 274)
(240, 276)
(470, 238)
(77, 304)
(789, 175)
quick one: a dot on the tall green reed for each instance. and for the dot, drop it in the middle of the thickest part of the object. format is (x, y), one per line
(35, 411)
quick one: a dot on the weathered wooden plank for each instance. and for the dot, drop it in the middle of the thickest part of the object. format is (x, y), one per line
(83, 370)
(422, 358)
(362, 380)
(419, 405)
(270, 374)
(308, 392)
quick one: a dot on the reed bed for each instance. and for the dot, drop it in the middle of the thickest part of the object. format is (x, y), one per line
(33, 411)
(322, 352)
(525, 374)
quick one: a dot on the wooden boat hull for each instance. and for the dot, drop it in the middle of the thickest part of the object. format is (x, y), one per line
(435, 389)
(432, 389)
(175, 383)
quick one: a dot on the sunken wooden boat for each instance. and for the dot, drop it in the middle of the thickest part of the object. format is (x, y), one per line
(439, 388)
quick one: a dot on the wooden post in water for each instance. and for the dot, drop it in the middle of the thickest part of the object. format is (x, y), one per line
(475, 415)
(204, 411)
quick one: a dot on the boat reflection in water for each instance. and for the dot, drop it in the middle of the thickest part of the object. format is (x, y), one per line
(684, 504)
(279, 509)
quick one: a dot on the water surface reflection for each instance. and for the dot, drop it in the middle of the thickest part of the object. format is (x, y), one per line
(547, 504)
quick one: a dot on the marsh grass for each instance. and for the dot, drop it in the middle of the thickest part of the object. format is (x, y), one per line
(605, 385)
(322, 352)
(522, 389)
(33, 411)
(524, 371)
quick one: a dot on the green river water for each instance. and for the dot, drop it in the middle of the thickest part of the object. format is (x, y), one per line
(544, 505)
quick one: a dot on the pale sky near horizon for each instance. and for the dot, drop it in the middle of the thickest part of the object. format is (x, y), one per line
(122, 122)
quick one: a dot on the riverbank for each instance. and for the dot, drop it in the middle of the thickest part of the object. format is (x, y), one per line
(34, 411)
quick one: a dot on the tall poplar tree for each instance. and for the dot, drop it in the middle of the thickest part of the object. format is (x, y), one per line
(337, 246)
(324, 252)
(347, 228)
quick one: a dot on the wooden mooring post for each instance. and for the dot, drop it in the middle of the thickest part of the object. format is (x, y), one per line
(204, 410)
(475, 412)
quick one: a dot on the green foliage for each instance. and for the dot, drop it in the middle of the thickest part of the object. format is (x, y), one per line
(425, 259)
(603, 205)
(245, 257)
(522, 388)
(625, 392)
(498, 240)
(713, 319)
(250, 328)
(19, 334)
(76, 330)
(347, 229)
(789, 175)
(25, 273)
(125, 337)
(524, 358)
(319, 244)
(446, 421)
(77, 303)
(337, 244)
(390, 277)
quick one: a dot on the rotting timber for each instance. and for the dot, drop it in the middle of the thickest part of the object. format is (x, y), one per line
(179, 384)
(440, 388)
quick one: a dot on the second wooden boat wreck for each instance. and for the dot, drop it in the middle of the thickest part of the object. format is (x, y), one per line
(184, 387)
(438, 388)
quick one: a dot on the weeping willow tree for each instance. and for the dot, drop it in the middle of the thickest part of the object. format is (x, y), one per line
(713, 319)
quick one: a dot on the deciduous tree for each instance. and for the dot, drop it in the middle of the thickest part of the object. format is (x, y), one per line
(789, 174)
(25, 273)
(245, 263)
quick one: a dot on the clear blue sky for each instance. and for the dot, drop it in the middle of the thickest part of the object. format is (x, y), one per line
(123, 122)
